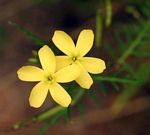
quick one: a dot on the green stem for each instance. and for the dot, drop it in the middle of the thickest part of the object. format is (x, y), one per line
(48, 113)
(78, 96)
(108, 13)
(114, 79)
(99, 28)
(133, 45)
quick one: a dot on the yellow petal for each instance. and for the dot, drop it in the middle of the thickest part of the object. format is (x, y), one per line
(47, 59)
(31, 73)
(93, 65)
(59, 95)
(63, 42)
(38, 94)
(84, 42)
(84, 80)
(62, 61)
(67, 74)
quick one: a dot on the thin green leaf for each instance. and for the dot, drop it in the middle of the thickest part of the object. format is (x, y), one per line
(92, 95)
(103, 89)
(114, 79)
(81, 110)
(78, 96)
(67, 114)
(38, 41)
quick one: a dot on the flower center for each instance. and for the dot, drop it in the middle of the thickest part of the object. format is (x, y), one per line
(50, 78)
(74, 58)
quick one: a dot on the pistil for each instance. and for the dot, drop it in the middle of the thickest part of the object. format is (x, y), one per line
(74, 59)
(50, 78)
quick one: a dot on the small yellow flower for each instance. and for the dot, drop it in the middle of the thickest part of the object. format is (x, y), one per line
(49, 79)
(75, 55)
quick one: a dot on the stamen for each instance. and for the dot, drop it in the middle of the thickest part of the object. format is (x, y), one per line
(74, 59)
(50, 78)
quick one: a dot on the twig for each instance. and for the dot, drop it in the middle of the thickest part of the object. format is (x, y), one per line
(48, 113)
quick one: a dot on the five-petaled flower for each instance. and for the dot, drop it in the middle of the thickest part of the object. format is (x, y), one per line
(49, 79)
(75, 55)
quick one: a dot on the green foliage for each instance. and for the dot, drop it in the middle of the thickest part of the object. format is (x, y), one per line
(38, 41)
(49, 123)
(92, 95)
(115, 79)
(141, 6)
(81, 109)
(99, 28)
(35, 58)
(128, 68)
(80, 93)
(103, 89)
(143, 74)
(108, 13)
(67, 114)
(141, 34)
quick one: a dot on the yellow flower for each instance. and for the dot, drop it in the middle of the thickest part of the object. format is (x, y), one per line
(75, 55)
(49, 79)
